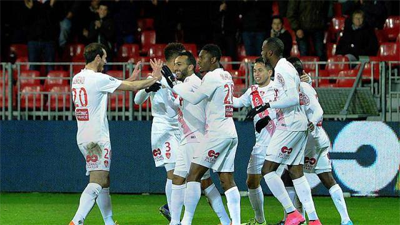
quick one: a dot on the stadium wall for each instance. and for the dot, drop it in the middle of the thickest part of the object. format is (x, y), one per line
(42, 156)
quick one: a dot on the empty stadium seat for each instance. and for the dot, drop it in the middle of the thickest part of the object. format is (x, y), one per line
(76, 50)
(56, 78)
(29, 77)
(127, 51)
(4, 95)
(117, 100)
(147, 38)
(157, 51)
(343, 82)
(321, 74)
(330, 49)
(336, 64)
(381, 36)
(241, 52)
(59, 98)
(32, 97)
(337, 25)
(24, 60)
(389, 51)
(19, 50)
(76, 68)
(145, 24)
(398, 38)
(119, 74)
(309, 63)
(226, 62)
(371, 69)
(392, 27)
(144, 59)
(191, 48)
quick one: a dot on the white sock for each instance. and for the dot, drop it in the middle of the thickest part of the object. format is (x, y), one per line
(233, 202)
(192, 197)
(215, 200)
(338, 199)
(168, 191)
(86, 202)
(295, 200)
(256, 197)
(275, 184)
(177, 198)
(104, 203)
(303, 191)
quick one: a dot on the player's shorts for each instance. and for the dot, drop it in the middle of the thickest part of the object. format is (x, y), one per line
(97, 155)
(257, 159)
(317, 160)
(218, 154)
(287, 147)
(184, 159)
(164, 147)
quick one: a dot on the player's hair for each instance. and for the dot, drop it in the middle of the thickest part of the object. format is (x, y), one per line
(298, 65)
(92, 50)
(190, 58)
(277, 17)
(267, 64)
(275, 45)
(172, 50)
(213, 50)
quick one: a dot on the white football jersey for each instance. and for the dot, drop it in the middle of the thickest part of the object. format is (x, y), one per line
(90, 96)
(218, 86)
(250, 98)
(286, 77)
(191, 118)
(309, 100)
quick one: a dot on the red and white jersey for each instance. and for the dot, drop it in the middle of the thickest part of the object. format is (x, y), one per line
(286, 77)
(255, 96)
(90, 96)
(191, 118)
(218, 86)
(314, 112)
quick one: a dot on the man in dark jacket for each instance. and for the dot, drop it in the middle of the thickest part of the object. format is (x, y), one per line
(358, 39)
(280, 32)
(308, 19)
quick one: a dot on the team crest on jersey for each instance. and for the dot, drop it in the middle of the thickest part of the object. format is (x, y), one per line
(212, 156)
(280, 79)
(304, 99)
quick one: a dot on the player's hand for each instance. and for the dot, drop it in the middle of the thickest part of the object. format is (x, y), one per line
(153, 88)
(262, 123)
(156, 65)
(311, 127)
(135, 74)
(305, 78)
(254, 111)
(167, 73)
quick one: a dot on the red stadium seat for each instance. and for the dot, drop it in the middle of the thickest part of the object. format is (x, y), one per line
(337, 9)
(157, 51)
(119, 74)
(295, 51)
(31, 97)
(371, 69)
(244, 69)
(389, 51)
(275, 8)
(330, 49)
(398, 38)
(343, 82)
(286, 24)
(59, 98)
(24, 60)
(145, 24)
(392, 27)
(337, 25)
(381, 36)
(321, 74)
(226, 62)
(117, 100)
(127, 51)
(75, 50)
(147, 38)
(78, 67)
(4, 94)
(144, 59)
(309, 63)
(19, 50)
(56, 78)
(336, 64)
(191, 48)
(29, 77)
(241, 52)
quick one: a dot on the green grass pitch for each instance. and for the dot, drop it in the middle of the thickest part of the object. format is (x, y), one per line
(58, 209)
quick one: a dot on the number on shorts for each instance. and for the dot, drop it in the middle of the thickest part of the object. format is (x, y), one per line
(168, 145)
(107, 152)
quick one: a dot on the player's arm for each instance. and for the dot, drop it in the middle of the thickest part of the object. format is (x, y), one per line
(242, 101)
(306, 78)
(192, 97)
(314, 107)
(141, 96)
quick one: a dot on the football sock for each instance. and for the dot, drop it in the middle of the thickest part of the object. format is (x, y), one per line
(256, 197)
(338, 199)
(275, 184)
(215, 200)
(104, 203)
(303, 191)
(86, 202)
(233, 202)
(192, 197)
(177, 198)
(295, 200)
(168, 191)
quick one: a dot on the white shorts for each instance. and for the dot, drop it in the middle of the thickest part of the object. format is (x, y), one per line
(287, 147)
(257, 159)
(185, 157)
(317, 160)
(218, 154)
(164, 147)
(97, 156)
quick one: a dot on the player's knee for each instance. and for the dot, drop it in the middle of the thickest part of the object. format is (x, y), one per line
(327, 179)
(296, 171)
(177, 180)
(252, 182)
(206, 183)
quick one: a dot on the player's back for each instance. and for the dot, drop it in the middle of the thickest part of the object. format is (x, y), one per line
(218, 86)
(90, 94)
(286, 77)
(164, 115)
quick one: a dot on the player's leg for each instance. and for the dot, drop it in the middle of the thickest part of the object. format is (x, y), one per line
(177, 198)
(103, 201)
(232, 195)
(214, 198)
(337, 196)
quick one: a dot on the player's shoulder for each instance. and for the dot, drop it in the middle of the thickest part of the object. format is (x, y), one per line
(307, 87)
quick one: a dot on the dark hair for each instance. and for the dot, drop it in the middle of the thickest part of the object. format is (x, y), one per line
(275, 45)
(267, 64)
(172, 50)
(277, 17)
(358, 11)
(190, 58)
(213, 50)
(298, 65)
(92, 50)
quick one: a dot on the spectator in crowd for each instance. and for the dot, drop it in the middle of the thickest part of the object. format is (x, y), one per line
(69, 10)
(308, 20)
(102, 30)
(279, 32)
(255, 23)
(375, 11)
(125, 18)
(223, 18)
(43, 32)
(358, 39)
(165, 19)
(89, 14)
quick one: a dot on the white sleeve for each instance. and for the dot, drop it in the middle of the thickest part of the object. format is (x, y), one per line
(313, 106)
(192, 97)
(107, 83)
(242, 101)
(209, 85)
(289, 98)
(141, 96)
(169, 101)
